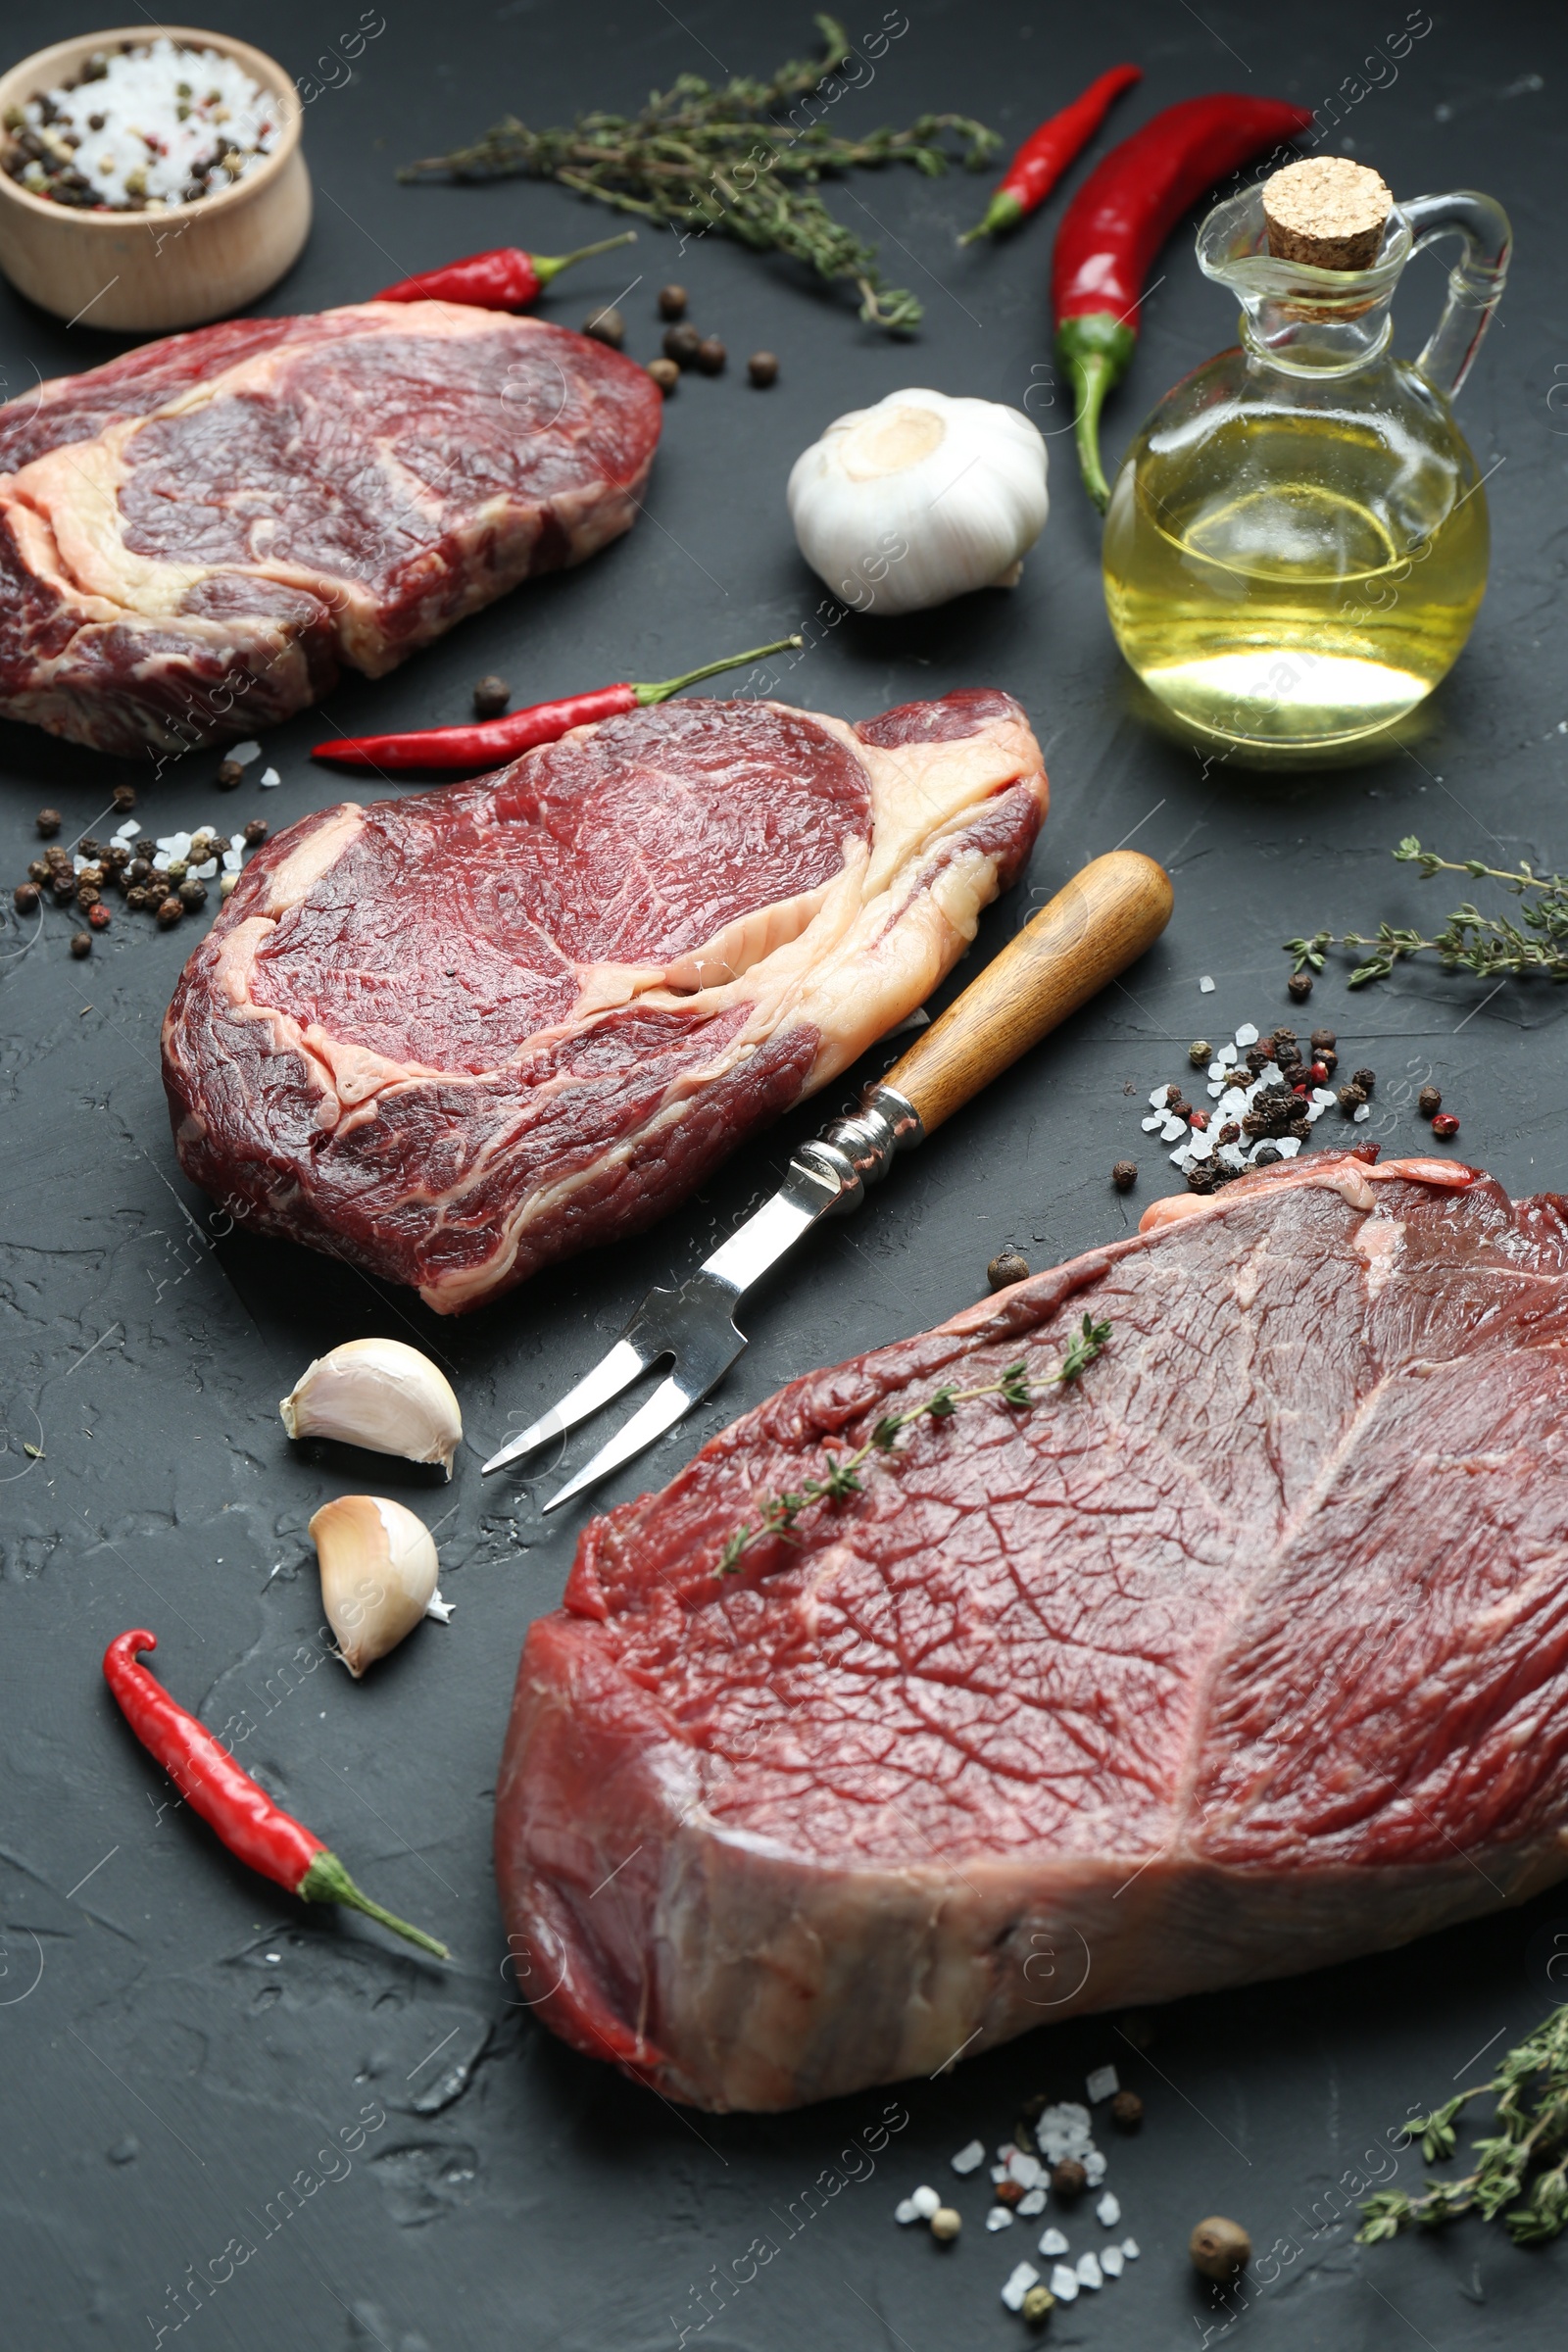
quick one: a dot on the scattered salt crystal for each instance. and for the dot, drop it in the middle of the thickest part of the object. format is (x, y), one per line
(926, 2202)
(999, 2172)
(1000, 2218)
(1129, 2247)
(1219, 1069)
(128, 830)
(1232, 1155)
(1363, 1110)
(1063, 2131)
(1227, 1053)
(1269, 1075)
(1064, 2284)
(1109, 2209)
(1234, 1101)
(1025, 2169)
(1005, 2150)
(243, 754)
(1090, 2272)
(1156, 1100)
(1095, 2167)
(1180, 1156)
(205, 873)
(268, 778)
(174, 845)
(1216, 1090)
(1018, 2286)
(1289, 1144)
(1202, 1147)
(233, 860)
(1206, 986)
(1246, 1035)
(1028, 2206)
(905, 2211)
(1110, 2262)
(1174, 1127)
(1157, 1120)
(969, 2158)
(1102, 2084)
(1323, 1095)
(1052, 2243)
(78, 861)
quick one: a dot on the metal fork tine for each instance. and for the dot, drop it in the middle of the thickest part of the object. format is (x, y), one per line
(665, 1407)
(612, 1373)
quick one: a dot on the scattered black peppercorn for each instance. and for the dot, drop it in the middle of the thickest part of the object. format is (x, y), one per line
(606, 326)
(47, 821)
(139, 871)
(672, 302)
(1266, 1156)
(1230, 1133)
(683, 344)
(145, 847)
(1181, 1108)
(1126, 2111)
(64, 885)
(87, 846)
(711, 355)
(170, 910)
(125, 799)
(117, 856)
(491, 697)
(87, 895)
(80, 944)
(135, 898)
(1068, 2178)
(24, 898)
(1365, 1078)
(1220, 2248)
(1429, 1102)
(1351, 1099)
(1124, 1175)
(255, 831)
(192, 892)
(1324, 1037)
(665, 374)
(38, 870)
(1005, 1269)
(1300, 985)
(229, 773)
(763, 369)
(1173, 1094)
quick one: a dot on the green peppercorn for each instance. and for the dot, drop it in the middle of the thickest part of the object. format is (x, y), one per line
(1198, 1053)
(1038, 2305)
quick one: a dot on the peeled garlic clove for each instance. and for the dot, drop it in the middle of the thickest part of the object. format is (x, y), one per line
(919, 499)
(379, 1574)
(381, 1394)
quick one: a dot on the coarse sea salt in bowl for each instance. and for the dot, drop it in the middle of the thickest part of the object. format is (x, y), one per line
(174, 263)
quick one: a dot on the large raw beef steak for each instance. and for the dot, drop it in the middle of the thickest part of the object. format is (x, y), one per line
(454, 1036)
(197, 537)
(1248, 1653)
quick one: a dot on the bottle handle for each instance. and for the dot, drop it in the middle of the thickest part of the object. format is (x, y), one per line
(1475, 282)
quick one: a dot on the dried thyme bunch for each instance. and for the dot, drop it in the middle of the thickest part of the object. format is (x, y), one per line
(743, 160)
(1017, 1385)
(1489, 946)
(1521, 2173)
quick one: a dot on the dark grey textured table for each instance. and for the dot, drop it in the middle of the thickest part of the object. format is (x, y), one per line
(175, 2045)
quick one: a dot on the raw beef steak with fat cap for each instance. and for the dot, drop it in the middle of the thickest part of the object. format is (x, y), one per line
(1248, 1653)
(197, 537)
(456, 1036)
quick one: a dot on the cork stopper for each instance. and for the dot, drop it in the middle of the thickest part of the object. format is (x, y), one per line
(1327, 210)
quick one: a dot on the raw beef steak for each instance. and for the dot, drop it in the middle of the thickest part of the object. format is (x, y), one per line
(456, 1036)
(1247, 1654)
(194, 538)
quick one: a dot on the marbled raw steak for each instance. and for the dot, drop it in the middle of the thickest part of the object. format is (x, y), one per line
(1247, 1654)
(454, 1036)
(197, 537)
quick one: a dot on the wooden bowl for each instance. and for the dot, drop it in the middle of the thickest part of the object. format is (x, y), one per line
(145, 272)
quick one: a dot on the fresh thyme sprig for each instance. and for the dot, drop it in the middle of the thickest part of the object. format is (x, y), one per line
(733, 160)
(1489, 946)
(1017, 1385)
(1520, 2171)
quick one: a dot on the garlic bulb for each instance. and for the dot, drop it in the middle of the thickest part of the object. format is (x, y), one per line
(379, 1394)
(921, 499)
(378, 1575)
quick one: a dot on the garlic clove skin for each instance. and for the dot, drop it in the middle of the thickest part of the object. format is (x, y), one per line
(379, 1394)
(379, 1573)
(921, 499)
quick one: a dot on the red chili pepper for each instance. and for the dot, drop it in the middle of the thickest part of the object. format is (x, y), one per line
(505, 280)
(1117, 222)
(228, 1801)
(1047, 152)
(487, 743)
